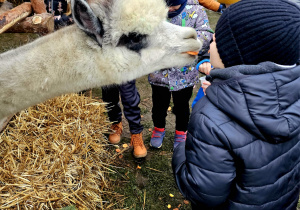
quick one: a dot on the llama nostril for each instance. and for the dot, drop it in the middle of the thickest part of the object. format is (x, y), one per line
(191, 34)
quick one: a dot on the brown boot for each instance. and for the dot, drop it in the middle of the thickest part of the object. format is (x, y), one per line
(115, 137)
(139, 149)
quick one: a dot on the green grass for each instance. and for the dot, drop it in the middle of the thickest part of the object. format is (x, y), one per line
(12, 40)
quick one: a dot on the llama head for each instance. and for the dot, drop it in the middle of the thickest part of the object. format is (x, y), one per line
(133, 35)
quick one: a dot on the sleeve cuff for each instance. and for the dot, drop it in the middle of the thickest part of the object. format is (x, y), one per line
(203, 61)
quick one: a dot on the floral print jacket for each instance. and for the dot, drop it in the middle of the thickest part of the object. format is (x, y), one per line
(193, 15)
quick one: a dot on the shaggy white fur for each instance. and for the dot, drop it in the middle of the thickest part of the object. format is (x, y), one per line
(113, 41)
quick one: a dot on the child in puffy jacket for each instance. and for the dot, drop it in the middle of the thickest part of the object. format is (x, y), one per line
(243, 141)
(178, 82)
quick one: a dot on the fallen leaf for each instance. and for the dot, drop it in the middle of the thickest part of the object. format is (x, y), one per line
(171, 195)
(169, 206)
(118, 150)
(186, 202)
(138, 167)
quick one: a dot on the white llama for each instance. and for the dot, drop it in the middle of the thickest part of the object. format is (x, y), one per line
(113, 41)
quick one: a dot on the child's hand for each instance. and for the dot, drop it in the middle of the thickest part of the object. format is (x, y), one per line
(205, 68)
(205, 85)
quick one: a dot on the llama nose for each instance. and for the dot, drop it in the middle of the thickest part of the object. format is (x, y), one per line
(190, 34)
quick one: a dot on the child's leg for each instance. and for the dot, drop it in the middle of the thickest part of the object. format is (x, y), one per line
(161, 97)
(130, 101)
(181, 108)
(110, 95)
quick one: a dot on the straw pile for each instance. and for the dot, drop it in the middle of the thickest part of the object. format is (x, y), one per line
(55, 154)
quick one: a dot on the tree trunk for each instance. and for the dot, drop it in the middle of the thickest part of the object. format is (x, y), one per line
(39, 23)
(38, 6)
(11, 17)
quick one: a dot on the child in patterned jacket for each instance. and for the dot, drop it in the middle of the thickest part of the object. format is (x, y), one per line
(178, 82)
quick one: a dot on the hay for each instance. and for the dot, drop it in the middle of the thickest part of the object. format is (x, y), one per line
(55, 154)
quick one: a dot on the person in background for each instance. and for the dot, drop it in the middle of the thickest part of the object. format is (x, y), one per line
(212, 5)
(218, 6)
(243, 142)
(61, 11)
(227, 3)
(130, 98)
(178, 82)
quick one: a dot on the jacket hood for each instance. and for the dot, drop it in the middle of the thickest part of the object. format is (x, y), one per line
(263, 98)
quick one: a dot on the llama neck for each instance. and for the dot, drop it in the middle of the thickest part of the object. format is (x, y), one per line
(37, 71)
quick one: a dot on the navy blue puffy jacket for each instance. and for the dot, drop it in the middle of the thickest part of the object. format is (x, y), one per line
(243, 150)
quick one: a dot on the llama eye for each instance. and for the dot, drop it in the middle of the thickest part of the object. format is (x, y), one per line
(133, 41)
(135, 38)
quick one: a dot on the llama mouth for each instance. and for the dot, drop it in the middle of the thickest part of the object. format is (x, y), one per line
(192, 52)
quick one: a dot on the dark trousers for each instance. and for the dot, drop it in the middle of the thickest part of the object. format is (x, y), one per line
(130, 98)
(161, 97)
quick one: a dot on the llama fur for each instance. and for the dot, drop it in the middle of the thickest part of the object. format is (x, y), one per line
(90, 54)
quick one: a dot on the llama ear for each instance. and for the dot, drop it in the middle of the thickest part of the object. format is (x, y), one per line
(87, 20)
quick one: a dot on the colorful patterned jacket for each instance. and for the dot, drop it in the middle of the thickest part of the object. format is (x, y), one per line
(193, 15)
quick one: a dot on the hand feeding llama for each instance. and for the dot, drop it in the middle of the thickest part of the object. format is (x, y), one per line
(113, 41)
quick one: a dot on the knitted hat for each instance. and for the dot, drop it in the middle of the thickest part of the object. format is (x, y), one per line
(227, 1)
(175, 2)
(253, 31)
